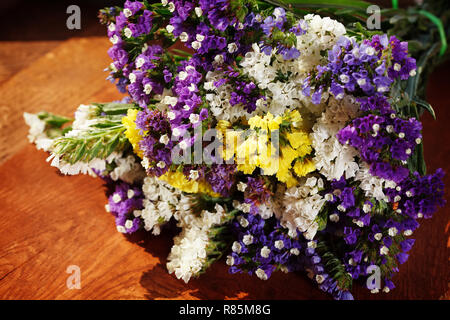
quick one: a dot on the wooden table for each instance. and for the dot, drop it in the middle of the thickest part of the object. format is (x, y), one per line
(49, 222)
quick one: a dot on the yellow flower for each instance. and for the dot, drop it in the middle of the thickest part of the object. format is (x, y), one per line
(297, 138)
(295, 118)
(288, 155)
(178, 180)
(247, 150)
(223, 125)
(303, 167)
(258, 147)
(269, 122)
(246, 168)
(132, 134)
(257, 122)
(301, 142)
(285, 175)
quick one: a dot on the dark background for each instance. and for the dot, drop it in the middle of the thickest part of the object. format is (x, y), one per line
(39, 20)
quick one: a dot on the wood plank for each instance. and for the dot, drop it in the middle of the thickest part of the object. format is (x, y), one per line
(54, 221)
(57, 82)
(17, 55)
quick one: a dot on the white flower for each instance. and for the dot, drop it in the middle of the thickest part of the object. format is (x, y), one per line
(37, 127)
(232, 47)
(183, 145)
(132, 78)
(182, 75)
(361, 81)
(148, 88)
(170, 100)
(198, 11)
(171, 7)
(243, 222)
(370, 51)
(384, 250)
(230, 260)
(261, 274)
(241, 186)
(176, 132)
(127, 13)
(121, 229)
(236, 247)
(219, 59)
(170, 28)
(194, 118)
(279, 244)
(265, 251)
(320, 278)
(297, 208)
(161, 164)
(312, 244)
(245, 207)
(116, 198)
(130, 193)
(161, 202)
(367, 208)
(196, 45)
(128, 224)
(193, 174)
(145, 163)
(344, 78)
(114, 39)
(247, 239)
(184, 37)
(127, 169)
(334, 217)
(199, 37)
(407, 233)
(127, 32)
(392, 231)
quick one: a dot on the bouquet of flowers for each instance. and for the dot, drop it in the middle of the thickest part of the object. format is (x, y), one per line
(282, 135)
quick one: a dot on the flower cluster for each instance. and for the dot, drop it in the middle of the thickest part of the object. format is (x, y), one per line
(272, 139)
(361, 69)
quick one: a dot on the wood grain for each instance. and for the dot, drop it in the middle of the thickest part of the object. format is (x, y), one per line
(58, 81)
(50, 221)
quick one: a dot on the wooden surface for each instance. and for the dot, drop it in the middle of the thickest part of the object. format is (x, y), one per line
(49, 222)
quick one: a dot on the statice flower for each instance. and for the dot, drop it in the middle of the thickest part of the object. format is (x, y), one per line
(122, 202)
(161, 202)
(361, 68)
(190, 250)
(281, 34)
(263, 246)
(382, 141)
(420, 196)
(221, 177)
(156, 143)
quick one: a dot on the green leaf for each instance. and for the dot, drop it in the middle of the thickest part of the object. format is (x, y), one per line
(425, 105)
(115, 108)
(79, 153)
(95, 149)
(113, 144)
